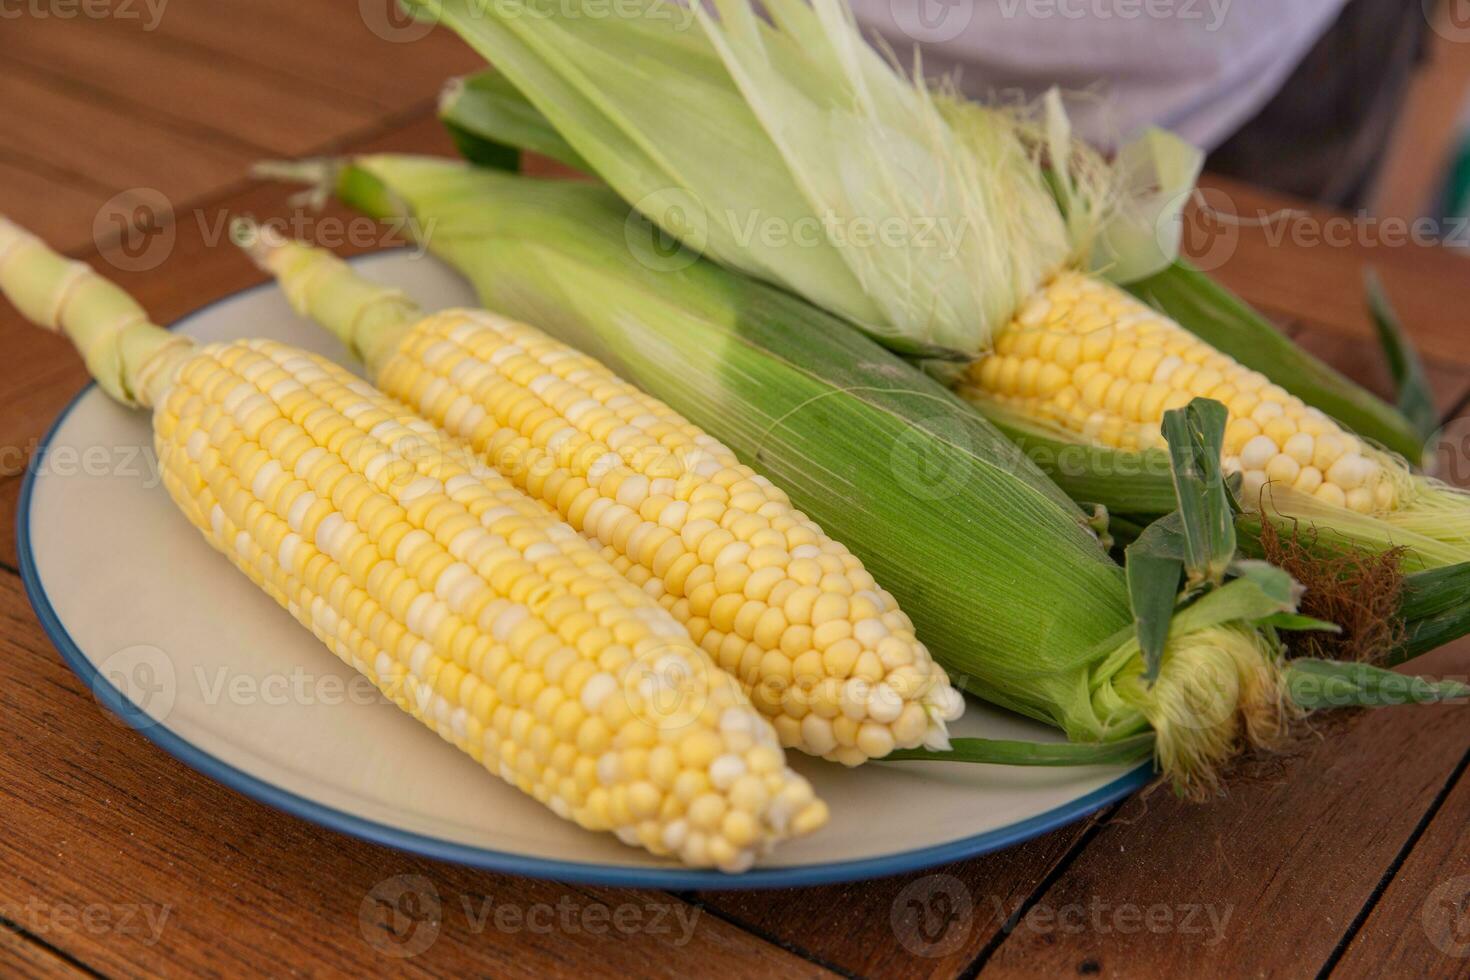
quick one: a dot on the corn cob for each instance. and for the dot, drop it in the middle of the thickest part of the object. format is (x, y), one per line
(1090, 359)
(783, 89)
(824, 652)
(455, 594)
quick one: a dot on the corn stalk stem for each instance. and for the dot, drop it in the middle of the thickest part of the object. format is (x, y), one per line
(370, 319)
(131, 358)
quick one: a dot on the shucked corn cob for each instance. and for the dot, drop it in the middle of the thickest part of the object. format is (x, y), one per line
(455, 594)
(1088, 358)
(824, 652)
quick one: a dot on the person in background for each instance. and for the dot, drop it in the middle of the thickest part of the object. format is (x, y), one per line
(1297, 95)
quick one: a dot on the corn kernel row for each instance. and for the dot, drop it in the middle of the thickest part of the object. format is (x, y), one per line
(1088, 357)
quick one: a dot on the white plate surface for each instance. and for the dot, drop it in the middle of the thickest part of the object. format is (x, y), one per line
(228, 681)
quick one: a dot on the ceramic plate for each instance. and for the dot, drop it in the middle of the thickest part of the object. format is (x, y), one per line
(169, 635)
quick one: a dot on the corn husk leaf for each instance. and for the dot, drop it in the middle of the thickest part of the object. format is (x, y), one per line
(695, 159)
(926, 231)
(1195, 435)
(1415, 400)
(1434, 609)
(1005, 752)
(1323, 684)
(492, 124)
(1154, 564)
(1141, 236)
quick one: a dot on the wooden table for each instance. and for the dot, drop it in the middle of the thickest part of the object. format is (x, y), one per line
(1348, 858)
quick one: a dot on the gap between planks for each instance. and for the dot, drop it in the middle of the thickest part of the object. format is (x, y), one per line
(1392, 871)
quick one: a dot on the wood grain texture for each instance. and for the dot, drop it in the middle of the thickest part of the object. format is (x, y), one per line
(930, 924)
(1266, 880)
(60, 211)
(74, 131)
(138, 69)
(1307, 263)
(155, 868)
(1422, 922)
(363, 53)
(24, 956)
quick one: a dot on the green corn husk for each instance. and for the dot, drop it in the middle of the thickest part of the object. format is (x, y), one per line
(492, 122)
(787, 93)
(703, 142)
(998, 569)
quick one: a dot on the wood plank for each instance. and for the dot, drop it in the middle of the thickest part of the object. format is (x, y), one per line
(930, 924)
(1420, 927)
(1272, 874)
(122, 61)
(1311, 267)
(9, 499)
(331, 47)
(58, 208)
(186, 876)
(110, 148)
(23, 956)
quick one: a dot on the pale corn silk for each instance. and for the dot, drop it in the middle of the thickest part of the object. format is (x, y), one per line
(1201, 68)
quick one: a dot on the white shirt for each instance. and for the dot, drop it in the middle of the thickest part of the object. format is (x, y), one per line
(1201, 68)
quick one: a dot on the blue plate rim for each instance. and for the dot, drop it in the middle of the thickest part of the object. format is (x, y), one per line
(579, 872)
